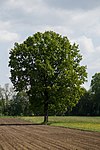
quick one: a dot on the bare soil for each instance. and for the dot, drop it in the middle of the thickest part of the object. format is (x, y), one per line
(21, 135)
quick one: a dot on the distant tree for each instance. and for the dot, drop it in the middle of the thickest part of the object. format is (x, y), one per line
(2, 102)
(84, 107)
(47, 66)
(89, 103)
(19, 105)
(6, 93)
(95, 90)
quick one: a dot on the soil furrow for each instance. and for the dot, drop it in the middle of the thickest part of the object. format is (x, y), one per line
(19, 135)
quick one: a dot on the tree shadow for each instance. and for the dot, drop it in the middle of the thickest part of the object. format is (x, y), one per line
(21, 124)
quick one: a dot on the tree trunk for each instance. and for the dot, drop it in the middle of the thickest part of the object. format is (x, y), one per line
(46, 107)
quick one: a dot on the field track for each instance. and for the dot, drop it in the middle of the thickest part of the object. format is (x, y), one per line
(21, 135)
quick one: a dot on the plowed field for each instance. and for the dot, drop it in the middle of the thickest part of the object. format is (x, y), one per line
(21, 135)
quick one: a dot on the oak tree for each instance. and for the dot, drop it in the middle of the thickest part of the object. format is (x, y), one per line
(47, 66)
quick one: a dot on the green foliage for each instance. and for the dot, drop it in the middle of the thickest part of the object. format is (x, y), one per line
(95, 91)
(48, 68)
(12, 103)
(19, 105)
(6, 93)
(95, 84)
(89, 103)
(84, 106)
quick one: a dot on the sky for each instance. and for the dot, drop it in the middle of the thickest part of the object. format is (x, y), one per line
(79, 20)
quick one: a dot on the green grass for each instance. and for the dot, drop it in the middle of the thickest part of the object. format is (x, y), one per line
(7, 116)
(83, 123)
(33, 119)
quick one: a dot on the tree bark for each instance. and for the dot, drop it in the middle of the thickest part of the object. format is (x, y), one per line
(46, 107)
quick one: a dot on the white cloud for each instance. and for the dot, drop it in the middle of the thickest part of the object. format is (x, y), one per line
(28, 6)
(5, 32)
(95, 65)
(96, 29)
(98, 49)
(86, 44)
(4, 25)
(8, 36)
(73, 5)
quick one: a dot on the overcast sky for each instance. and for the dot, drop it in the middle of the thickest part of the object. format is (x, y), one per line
(79, 20)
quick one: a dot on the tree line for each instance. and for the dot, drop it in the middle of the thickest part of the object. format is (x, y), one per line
(18, 104)
(89, 104)
(12, 103)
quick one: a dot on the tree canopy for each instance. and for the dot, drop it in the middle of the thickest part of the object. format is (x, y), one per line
(47, 66)
(95, 90)
(89, 103)
(95, 83)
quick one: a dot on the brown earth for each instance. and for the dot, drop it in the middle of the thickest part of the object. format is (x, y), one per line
(21, 135)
